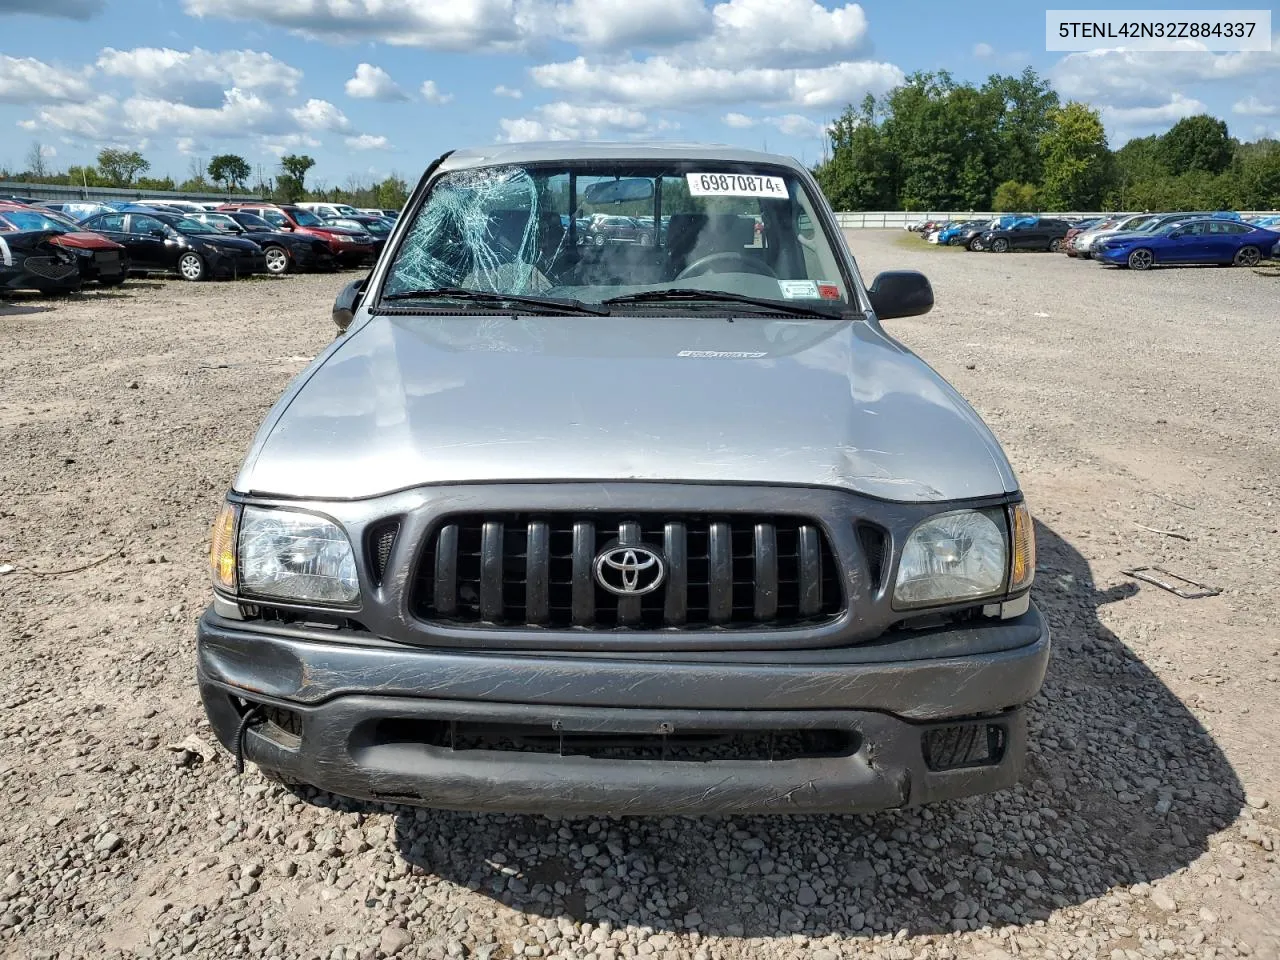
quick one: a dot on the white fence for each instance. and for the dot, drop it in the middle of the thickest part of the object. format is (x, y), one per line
(897, 219)
(59, 191)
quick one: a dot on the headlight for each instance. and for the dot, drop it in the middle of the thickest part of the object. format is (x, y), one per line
(953, 557)
(295, 556)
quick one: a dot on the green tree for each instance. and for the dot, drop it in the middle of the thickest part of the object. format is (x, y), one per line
(229, 170)
(119, 167)
(1027, 102)
(291, 184)
(1197, 143)
(1076, 159)
(391, 193)
(1014, 197)
(85, 176)
(860, 174)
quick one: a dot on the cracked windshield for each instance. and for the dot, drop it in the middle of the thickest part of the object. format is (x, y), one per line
(598, 233)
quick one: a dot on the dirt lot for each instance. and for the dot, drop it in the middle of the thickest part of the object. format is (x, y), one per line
(1141, 829)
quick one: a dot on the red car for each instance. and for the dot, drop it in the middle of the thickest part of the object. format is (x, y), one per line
(100, 259)
(349, 248)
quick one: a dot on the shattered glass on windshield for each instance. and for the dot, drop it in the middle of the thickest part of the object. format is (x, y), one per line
(480, 232)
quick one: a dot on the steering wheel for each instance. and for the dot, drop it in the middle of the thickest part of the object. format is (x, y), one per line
(705, 264)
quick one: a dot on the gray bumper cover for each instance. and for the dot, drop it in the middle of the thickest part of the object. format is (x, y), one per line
(886, 694)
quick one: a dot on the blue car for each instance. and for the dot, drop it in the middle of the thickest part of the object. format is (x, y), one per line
(1194, 241)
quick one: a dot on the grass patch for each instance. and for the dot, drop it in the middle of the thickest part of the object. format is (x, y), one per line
(913, 241)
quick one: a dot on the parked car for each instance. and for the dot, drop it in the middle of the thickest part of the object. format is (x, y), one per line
(327, 210)
(1043, 233)
(970, 237)
(171, 243)
(952, 233)
(613, 229)
(462, 568)
(1068, 242)
(100, 259)
(282, 250)
(174, 206)
(1217, 241)
(350, 248)
(1084, 241)
(36, 260)
(75, 209)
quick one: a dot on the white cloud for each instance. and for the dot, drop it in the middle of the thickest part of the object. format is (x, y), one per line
(30, 81)
(98, 120)
(367, 141)
(566, 121)
(795, 125)
(187, 145)
(780, 33)
(1128, 119)
(280, 144)
(464, 25)
(659, 81)
(739, 121)
(501, 90)
(374, 83)
(320, 115)
(48, 150)
(68, 9)
(241, 113)
(431, 93)
(1253, 107)
(615, 24)
(1140, 78)
(983, 50)
(198, 76)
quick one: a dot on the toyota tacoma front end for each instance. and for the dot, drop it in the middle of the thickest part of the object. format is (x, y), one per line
(628, 529)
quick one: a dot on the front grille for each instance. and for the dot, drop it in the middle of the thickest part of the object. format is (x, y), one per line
(517, 569)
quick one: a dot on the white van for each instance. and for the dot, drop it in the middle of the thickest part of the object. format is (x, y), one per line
(327, 211)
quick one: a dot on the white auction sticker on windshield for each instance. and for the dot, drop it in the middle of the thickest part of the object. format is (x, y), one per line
(799, 289)
(735, 185)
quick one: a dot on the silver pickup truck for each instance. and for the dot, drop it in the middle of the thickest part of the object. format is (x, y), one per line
(576, 527)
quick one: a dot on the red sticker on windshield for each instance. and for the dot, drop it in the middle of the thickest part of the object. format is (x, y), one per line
(828, 291)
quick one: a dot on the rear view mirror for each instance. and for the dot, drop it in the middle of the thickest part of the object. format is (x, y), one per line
(901, 293)
(348, 300)
(620, 191)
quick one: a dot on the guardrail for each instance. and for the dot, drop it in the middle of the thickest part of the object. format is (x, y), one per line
(68, 192)
(898, 219)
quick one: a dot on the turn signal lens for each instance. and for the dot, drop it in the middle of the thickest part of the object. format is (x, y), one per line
(1023, 568)
(222, 549)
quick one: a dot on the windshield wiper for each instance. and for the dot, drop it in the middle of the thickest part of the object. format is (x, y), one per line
(561, 304)
(689, 294)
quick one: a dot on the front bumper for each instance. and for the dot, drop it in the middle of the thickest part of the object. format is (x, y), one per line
(363, 716)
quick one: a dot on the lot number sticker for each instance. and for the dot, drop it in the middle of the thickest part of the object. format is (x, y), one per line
(735, 185)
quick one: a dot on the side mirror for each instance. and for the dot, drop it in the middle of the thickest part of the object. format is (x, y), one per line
(157, 232)
(901, 293)
(344, 307)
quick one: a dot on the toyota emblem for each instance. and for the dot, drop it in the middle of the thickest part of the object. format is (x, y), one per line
(629, 570)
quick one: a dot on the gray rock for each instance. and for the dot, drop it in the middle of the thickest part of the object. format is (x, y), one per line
(394, 939)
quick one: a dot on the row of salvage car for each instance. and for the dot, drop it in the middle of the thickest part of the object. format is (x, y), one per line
(1144, 240)
(1137, 241)
(51, 251)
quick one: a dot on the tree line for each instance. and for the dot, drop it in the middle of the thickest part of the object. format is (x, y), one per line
(1011, 145)
(226, 173)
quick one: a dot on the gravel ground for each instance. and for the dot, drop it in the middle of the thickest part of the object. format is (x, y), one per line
(1142, 827)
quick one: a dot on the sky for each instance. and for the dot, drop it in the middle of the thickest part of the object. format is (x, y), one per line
(370, 87)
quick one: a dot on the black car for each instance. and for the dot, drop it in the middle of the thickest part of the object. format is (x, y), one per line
(33, 260)
(172, 243)
(1043, 234)
(284, 252)
(612, 229)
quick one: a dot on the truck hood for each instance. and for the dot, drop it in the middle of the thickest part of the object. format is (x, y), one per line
(403, 401)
